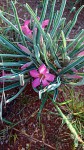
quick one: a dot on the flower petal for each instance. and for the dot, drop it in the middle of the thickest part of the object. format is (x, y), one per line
(34, 73)
(74, 77)
(26, 65)
(42, 69)
(27, 22)
(23, 48)
(47, 70)
(45, 82)
(74, 70)
(3, 73)
(80, 54)
(45, 23)
(36, 83)
(26, 30)
(50, 77)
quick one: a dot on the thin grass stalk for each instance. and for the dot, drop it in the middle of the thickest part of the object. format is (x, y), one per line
(70, 126)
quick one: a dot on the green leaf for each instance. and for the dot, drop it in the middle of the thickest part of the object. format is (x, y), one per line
(54, 85)
(66, 28)
(56, 61)
(76, 51)
(9, 45)
(49, 45)
(74, 20)
(18, 23)
(45, 53)
(79, 66)
(6, 121)
(70, 66)
(80, 83)
(51, 16)
(51, 87)
(12, 63)
(9, 87)
(70, 126)
(35, 19)
(37, 53)
(75, 40)
(65, 102)
(12, 55)
(58, 18)
(12, 25)
(55, 94)
(43, 13)
(43, 101)
(8, 22)
(16, 95)
(64, 40)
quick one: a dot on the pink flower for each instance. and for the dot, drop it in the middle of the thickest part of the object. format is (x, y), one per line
(74, 70)
(26, 65)
(45, 23)
(80, 54)
(27, 51)
(74, 76)
(41, 76)
(25, 28)
(27, 31)
(24, 49)
(6, 74)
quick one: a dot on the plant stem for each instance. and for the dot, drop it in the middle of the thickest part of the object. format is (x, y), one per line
(70, 126)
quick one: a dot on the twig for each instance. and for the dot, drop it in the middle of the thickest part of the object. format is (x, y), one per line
(34, 139)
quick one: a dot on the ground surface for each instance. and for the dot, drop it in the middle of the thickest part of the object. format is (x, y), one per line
(28, 132)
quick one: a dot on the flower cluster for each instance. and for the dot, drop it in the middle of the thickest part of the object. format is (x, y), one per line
(26, 27)
(42, 75)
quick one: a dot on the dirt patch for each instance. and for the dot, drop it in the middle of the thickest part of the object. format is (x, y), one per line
(46, 134)
(29, 133)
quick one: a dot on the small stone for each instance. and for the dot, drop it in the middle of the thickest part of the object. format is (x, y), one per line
(27, 145)
(23, 148)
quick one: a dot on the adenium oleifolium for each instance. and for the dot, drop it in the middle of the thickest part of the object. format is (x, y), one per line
(42, 76)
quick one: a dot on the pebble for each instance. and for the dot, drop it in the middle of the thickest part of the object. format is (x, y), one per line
(23, 148)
